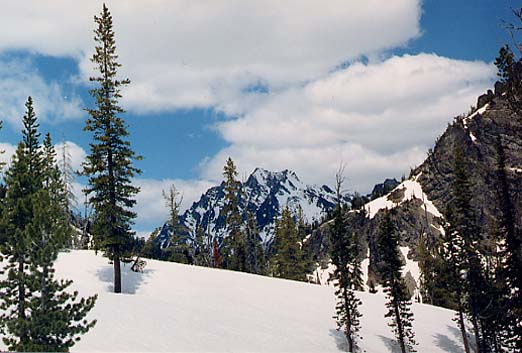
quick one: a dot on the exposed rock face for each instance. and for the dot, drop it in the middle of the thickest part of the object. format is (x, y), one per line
(420, 202)
(477, 134)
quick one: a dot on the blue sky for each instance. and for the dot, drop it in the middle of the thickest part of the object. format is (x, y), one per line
(298, 87)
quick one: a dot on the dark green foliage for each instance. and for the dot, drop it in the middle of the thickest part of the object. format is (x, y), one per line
(287, 261)
(345, 251)
(38, 313)
(510, 75)
(254, 247)
(399, 301)
(507, 280)
(151, 248)
(233, 250)
(434, 284)
(109, 165)
(202, 248)
(467, 239)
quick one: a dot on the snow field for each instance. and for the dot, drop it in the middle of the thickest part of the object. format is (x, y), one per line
(181, 308)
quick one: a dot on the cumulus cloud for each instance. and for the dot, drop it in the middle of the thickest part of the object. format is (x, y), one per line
(379, 117)
(183, 54)
(74, 154)
(18, 80)
(150, 204)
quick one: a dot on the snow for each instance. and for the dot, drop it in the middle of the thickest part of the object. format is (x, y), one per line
(412, 189)
(181, 308)
(466, 120)
(480, 111)
(410, 266)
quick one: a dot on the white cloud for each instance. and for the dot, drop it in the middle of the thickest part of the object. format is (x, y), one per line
(74, 153)
(183, 54)
(150, 204)
(18, 80)
(380, 118)
(8, 150)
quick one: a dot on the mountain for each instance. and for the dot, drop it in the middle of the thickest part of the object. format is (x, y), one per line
(265, 193)
(420, 200)
(172, 307)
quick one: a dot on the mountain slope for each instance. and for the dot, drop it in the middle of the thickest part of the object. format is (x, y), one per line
(265, 193)
(181, 308)
(421, 200)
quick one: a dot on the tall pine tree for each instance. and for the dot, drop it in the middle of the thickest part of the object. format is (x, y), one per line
(463, 220)
(399, 300)
(109, 166)
(234, 245)
(509, 236)
(254, 247)
(23, 181)
(347, 275)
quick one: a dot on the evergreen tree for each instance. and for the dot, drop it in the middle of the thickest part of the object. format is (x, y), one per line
(151, 248)
(453, 267)
(347, 275)
(234, 245)
(57, 317)
(201, 248)
(434, 286)
(23, 180)
(463, 220)
(37, 313)
(288, 256)
(399, 300)
(254, 247)
(109, 165)
(511, 253)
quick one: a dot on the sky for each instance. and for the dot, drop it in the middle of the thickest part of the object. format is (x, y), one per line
(299, 84)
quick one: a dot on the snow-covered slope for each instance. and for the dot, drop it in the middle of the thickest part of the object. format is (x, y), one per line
(180, 308)
(264, 193)
(407, 190)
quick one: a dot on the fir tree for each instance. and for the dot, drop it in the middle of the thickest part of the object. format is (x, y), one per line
(453, 267)
(201, 248)
(347, 275)
(463, 220)
(234, 245)
(109, 165)
(255, 256)
(399, 300)
(511, 253)
(57, 317)
(23, 181)
(38, 314)
(288, 257)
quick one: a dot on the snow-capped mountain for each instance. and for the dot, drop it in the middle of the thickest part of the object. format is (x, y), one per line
(265, 193)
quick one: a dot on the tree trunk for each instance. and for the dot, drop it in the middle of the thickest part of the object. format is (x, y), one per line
(351, 343)
(399, 326)
(117, 274)
(477, 334)
(463, 328)
(21, 297)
